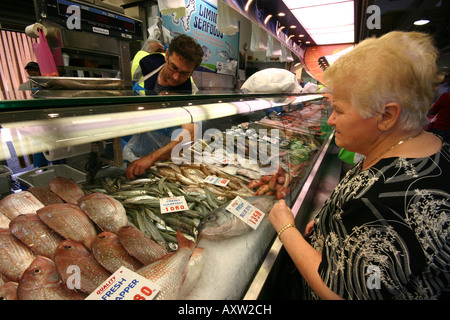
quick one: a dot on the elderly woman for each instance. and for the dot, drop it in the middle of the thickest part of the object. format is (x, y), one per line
(384, 231)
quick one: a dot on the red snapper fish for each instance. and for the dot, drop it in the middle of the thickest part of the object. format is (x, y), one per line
(169, 271)
(8, 291)
(69, 221)
(45, 195)
(110, 253)
(72, 257)
(66, 189)
(15, 256)
(22, 202)
(29, 229)
(139, 245)
(107, 213)
(41, 281)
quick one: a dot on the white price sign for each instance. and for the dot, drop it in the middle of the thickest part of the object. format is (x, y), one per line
(216, 181)
(125, 284)
(173, 204)
(246, 212)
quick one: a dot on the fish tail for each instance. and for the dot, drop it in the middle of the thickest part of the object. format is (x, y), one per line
(183, 242)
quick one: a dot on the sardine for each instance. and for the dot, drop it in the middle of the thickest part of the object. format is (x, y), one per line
(45, 195)
(221, 224)
(169, 271)
(71, 254)
(29, 229)
(41, 281)
(139, 245)
(15, 256)
(107, 213)
(8, 291)
(111, 254)
(69, 221)
(66, 189)
(22, 202)
(185, 180)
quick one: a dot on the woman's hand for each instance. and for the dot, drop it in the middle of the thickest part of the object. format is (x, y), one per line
(281, 215)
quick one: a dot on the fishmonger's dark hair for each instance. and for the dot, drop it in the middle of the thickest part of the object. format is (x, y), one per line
(187, 48)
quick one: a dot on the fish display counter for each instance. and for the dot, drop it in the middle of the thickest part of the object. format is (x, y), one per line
(196, 224)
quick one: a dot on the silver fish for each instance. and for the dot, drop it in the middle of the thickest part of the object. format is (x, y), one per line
(221, 224)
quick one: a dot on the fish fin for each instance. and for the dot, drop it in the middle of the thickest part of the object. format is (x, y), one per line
(183, 242)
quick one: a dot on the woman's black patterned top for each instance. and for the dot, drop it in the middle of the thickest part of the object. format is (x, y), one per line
(384, 231)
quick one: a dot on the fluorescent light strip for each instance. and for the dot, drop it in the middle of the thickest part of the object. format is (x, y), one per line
(326, 21)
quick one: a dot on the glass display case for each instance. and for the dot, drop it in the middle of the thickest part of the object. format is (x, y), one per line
(261, 146)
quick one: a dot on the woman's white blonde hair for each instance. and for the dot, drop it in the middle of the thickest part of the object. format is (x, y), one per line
(398, 67)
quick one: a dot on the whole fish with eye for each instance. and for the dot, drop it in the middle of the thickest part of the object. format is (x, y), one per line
(70, 254)
(221, 223)
(35, 234)
(107, 213)
(66, 189)
(8, 291)
(169, 271)
(111, 254)
(15, 256)
(41, 281)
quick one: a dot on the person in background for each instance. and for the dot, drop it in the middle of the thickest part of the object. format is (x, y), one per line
(32, 68)
(173, 70)
(384, 231)
(149, 47)
(441, 123)
(443, 87)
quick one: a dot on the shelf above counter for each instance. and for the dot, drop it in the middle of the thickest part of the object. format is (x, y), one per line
(42, 124)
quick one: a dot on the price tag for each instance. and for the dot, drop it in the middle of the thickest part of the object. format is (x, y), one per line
(246, 212)
(269, 139)
(173, 204)
(216, 180)
(125, 284)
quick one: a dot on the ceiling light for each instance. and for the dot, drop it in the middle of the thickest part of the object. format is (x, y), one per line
(281, 14)
(336, 23)
(267, 18)
(293, 27)
(247, 5)
(421, 22)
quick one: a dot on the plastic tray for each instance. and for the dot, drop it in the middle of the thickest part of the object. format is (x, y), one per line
(5, 179)
(40, 177)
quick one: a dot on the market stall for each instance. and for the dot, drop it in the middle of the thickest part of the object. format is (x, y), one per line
(284, 159)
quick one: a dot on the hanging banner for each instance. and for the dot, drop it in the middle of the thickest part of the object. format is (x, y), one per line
(220, 52)
(272, 25)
